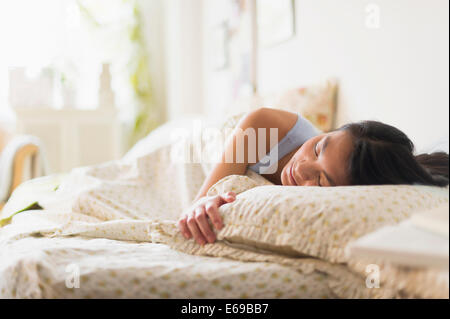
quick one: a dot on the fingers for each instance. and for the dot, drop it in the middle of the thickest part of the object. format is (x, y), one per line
(182, 226)
(203, 224)
(194, 229)
(213, 213)
(227, 198)
(196, 223)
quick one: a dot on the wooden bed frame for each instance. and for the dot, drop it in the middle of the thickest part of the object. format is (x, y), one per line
(27, 151)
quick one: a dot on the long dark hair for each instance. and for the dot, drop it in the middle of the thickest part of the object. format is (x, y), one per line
(383, 154)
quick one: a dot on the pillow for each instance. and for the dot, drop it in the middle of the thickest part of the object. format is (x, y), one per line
(316, 102)
(440, 145)
(315, 221)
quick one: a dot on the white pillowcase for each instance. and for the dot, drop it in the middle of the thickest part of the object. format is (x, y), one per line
(440, 145)
(315, 221)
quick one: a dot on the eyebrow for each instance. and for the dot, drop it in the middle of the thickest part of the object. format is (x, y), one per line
(324, 147)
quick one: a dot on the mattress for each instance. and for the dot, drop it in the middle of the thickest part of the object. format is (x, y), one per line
(74, 267)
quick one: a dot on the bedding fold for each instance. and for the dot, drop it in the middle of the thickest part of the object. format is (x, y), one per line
(134, 204)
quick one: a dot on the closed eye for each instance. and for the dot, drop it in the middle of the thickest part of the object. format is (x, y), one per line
(317, 155)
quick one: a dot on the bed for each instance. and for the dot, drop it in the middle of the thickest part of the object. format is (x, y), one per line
(109, 231)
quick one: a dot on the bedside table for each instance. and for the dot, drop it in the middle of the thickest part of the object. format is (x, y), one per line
(73, 137)
(411, 243)
(413, 255)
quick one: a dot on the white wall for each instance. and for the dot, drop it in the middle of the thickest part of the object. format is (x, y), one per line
(155, 37)
(398, 73)
(184, 56)
(173, 37)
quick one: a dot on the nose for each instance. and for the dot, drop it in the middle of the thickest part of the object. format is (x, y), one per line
(305, 172)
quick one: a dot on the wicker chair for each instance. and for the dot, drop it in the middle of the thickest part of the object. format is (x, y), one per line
(18, 156)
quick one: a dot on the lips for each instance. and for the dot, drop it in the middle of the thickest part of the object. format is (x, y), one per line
(292, 176)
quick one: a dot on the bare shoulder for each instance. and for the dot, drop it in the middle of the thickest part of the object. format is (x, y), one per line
(265, 117)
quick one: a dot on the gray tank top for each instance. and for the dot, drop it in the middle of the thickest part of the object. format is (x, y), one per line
(302, 131)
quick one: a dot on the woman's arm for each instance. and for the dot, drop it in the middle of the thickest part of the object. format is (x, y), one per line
(264, 118)
(194, 221)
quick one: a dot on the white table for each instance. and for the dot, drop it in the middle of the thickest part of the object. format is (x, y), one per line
(73, 137)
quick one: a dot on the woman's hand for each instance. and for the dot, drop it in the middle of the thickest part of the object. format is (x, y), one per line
(194, 221)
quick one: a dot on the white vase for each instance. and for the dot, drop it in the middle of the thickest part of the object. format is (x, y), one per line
(39, 89)
(105, 94)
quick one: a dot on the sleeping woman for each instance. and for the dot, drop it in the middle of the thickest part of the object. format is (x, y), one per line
(364, 153)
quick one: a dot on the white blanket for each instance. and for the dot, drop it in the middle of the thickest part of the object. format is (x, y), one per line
(111, 230)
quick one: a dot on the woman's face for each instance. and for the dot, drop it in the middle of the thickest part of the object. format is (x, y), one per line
(321, 161)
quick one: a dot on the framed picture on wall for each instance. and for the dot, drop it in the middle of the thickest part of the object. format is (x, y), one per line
(276, 21)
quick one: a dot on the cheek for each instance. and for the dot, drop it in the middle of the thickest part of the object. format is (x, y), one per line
(304, 151)
(285, 172)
